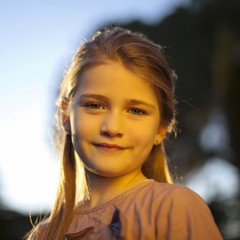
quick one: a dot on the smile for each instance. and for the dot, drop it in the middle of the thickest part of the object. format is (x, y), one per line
(108, 146)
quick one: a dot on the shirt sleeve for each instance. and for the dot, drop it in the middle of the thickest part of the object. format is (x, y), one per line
(183, 215)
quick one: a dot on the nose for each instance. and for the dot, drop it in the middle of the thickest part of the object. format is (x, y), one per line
(112, 125)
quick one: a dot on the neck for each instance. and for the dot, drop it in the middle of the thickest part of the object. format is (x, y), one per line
(103, 189)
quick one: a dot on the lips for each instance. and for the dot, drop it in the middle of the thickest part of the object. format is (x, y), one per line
(109, 146)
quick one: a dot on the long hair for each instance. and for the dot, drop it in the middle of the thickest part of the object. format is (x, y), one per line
(144, 58)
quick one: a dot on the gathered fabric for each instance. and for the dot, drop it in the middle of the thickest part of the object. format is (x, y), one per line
(150, 210)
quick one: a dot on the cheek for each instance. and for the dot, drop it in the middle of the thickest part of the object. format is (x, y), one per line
(81, 129)
(81, 124)
(144, 135)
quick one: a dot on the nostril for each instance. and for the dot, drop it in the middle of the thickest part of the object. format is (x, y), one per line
(111, 126)
(110, 134)
(105, 133)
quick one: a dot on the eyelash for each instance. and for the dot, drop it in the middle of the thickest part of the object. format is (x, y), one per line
(100, 106)
(137, 111)
(94, 106)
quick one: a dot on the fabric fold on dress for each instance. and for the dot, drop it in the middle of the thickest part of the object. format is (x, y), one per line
(114, 226)
(151, 210)
(79, 235)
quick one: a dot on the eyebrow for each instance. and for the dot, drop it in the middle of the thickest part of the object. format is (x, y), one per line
(104, 98)
(139, 102)
(96, 96)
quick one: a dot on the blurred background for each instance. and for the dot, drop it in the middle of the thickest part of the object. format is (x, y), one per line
(201, 39)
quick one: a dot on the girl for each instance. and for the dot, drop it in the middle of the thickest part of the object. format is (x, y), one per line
(116, 106)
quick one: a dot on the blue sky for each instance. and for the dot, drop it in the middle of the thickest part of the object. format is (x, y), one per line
(37, 41)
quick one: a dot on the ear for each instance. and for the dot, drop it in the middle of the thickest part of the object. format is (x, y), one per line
(65, 116)
(160, 135)
(66, 124)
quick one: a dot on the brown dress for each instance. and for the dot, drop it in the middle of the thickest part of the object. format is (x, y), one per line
(151, 210)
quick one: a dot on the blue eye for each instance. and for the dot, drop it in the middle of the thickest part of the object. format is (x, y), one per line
(137, 111)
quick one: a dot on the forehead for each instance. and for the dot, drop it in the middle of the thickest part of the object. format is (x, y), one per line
(113, 79)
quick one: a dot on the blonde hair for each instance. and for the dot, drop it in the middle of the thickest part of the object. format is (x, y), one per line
(139, 55)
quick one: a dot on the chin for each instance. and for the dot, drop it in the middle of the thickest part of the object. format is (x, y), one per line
(106, 173)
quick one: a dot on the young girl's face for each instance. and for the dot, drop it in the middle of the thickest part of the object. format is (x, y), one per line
(115, 120)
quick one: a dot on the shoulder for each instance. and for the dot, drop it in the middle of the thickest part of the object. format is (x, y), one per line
(182, 211)
(164, 199)
(169, 211)
(169, 188)
(163, 193)
(173, 191)
(167, 191)
(177, 197)
(175, 202)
